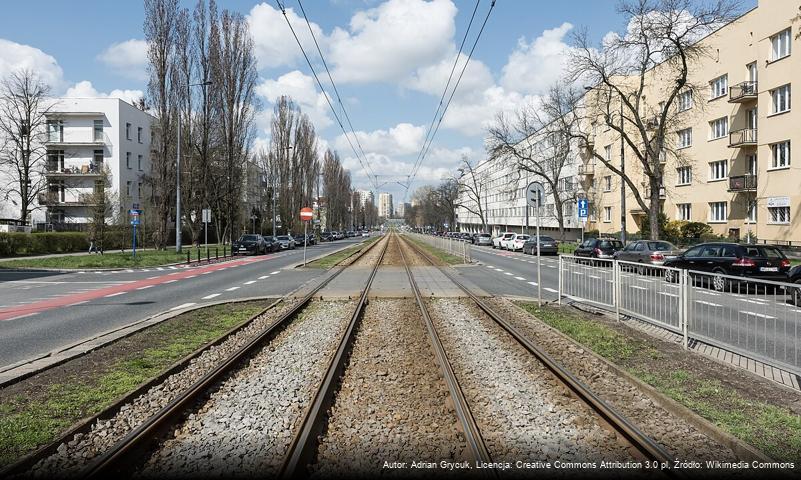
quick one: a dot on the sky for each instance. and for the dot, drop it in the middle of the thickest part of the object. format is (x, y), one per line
(390, 61)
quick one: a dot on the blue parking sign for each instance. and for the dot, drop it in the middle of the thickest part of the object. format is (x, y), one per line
(583, 208)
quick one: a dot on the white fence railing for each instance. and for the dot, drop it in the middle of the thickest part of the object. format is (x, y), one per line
(758, 319)
(454, 246)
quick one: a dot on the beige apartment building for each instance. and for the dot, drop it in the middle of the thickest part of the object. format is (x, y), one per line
(730, 163)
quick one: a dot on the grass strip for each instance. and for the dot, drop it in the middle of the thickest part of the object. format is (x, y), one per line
(773, 429)
(442, 255)
(333, 259)
(32, 417)
(144, 258)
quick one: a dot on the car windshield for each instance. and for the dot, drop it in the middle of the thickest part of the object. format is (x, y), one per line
(764, 252)
(522, 237)
(610, 244)
(484, 235)
(282, 237)
(660, 246)
(546, 239)
(508, 236)
(248, 238)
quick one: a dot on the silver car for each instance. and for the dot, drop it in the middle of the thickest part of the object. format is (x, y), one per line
(482, 239)
(650, 252)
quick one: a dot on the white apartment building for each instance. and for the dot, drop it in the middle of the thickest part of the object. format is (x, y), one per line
(385, 205)
(400, 209)
(365, 196)
(502, 188)
(85, 138)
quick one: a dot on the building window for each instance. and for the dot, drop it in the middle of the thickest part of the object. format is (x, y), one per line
(98, 130)
(608, 153)
(684, 211)
(685, 101)
(717, 212)
(685, 137)
(128, 160)
(780, 45)
(780, 99)
(752, 164)
(139, 190)
(718, 128)
(719, 87)
(139, 162)
(751, 212)
(779, 214)
(139, 134)
(607, 214)
(55, 131)
(127, 131)
(685, 175)
(55, 160)
(718, 170)
(752, 72)
(128, 188)
(781, 155)
(608, 183)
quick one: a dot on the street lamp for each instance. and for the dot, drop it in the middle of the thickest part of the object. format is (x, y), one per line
(178, 174)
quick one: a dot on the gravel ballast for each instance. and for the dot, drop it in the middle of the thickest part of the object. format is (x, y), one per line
(246, 424)
(370, 258)
(522, 411)
(393, 403)
(75, 454)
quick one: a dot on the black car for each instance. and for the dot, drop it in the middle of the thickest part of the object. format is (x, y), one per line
(326, 237)
(251, 243)
(794, 276)
(598, 248)
(761, 262)
(548, 246)
(273, 245)
(300, 240)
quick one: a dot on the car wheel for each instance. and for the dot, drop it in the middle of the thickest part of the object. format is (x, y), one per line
(640, 269)
(671, 276)
(797, 294)
(719, 283)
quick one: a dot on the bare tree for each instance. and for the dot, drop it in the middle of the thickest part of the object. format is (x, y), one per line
(24, 107)
(102, 201)
(336, 185)
(657, 53)
(473, 186)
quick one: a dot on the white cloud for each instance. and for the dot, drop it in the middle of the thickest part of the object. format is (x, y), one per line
(534, 67)
(86, 89)
(274, 44)
(15, 56)
(391, 41)
(301, 88)
(128, 58)
(432, 79)
(402, 139)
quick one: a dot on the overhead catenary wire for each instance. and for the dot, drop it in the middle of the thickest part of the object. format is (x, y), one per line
(364, 163)
(425, 148)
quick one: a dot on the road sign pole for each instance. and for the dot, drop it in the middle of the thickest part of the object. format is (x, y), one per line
(133, 243)
(539, 265)
(305, 241)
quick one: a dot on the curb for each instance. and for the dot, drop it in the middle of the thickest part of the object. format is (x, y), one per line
(293, 266)
(111, 269)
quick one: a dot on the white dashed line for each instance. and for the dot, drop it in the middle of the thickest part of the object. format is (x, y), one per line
(231, 289)
(185, 305)
(263, 277)
(668, 294)
(508, 273)
(159, 268)
(273, 273)
(703, 302)
(250, 282)
(145, 287)
(151, 278)
(173, 268)
(114, 294)
(757, 302)
(551, 290)
(209, 297)
(533, 283)
(520, 278)
(206, 273)
(23, 316)
(171, 281)
(760, 315)
(78, 303)
(191, 276)
(636, 286)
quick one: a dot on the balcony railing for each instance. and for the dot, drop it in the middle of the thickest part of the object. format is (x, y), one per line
(588, 169)
(88, 169)
(54, 199)
(743, 92)
(742, 183)
(743, 137)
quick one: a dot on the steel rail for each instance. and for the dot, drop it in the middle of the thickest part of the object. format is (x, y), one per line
(638, 439)
(478, 448)
(307, 437)
(127, 449)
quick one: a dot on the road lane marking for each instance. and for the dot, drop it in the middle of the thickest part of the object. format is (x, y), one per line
(231, 289)
(595, 276)
(159, 268)
(191, 276)
(171, 281)
(145, 287)
(703, 302)
(173, 268)
(710, 293)
(114, 294)
(78, 303)
(508, 273)
(273, 273)
(250, 282)
(209, 297)
(151, 278)
(263, 277)
(532, 283)
(748, 300)
(520, 278)
(551, 290)
(185, 305)
(760, 315)
(206, 273)
(668, 294)
(23, 316)
(638, 287)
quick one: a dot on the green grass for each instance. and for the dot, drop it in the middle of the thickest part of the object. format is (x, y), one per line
(442, 255)
(773, 429)
(144, 258)
(567, 247)
(332, 260)
(27, 423)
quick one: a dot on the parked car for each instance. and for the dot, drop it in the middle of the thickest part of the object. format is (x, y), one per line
(548, 246)
(286, 242)
(482, 239)
(794, 276)
(339, 235)
(273, 245)
(350, 234)
(252, 243)
(365, 233)
(496, 241)
(326, 237)
(598, 248)
(300, 240)
(311, 239)
(517, 242)
(506, 243)
(653, 252)
(760, 262)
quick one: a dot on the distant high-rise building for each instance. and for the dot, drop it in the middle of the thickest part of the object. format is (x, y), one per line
(400, 210)
(385, 205)
(365, 196)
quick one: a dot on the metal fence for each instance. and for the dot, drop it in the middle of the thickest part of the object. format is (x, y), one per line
(758, 319)
(454, 246)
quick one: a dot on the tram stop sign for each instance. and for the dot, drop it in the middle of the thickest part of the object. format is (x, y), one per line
(306, 214)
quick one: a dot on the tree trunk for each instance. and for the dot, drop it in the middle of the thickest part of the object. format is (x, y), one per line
(655, 208)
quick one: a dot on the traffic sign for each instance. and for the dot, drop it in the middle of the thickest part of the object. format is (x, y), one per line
(583, 208)
(535, 193)
(134, 211)
(135, 220)
(206, 212)
(306, 213)
(135, 206)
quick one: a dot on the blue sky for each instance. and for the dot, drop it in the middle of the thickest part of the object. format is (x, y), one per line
(390, 60)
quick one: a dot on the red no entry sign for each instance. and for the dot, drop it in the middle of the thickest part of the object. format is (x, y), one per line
(306, 214)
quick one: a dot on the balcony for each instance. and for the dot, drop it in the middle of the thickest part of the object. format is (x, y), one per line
(52, 199)
(587, 169)
(84, 171)
(743, 138)
(743, 183)
(743, 92)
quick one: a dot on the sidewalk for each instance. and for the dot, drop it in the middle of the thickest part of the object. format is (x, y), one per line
(74, 254)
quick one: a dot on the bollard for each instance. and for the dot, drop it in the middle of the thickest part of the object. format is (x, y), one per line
(208, 255)
(216, 253)
(188, 257)
(198, 255)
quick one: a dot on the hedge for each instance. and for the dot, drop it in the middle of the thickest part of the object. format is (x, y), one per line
(16, 244)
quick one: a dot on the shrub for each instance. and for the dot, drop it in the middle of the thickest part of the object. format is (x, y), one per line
(695, 230)
(15, 243)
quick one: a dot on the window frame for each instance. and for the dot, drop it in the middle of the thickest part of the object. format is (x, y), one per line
(685, 101)
(680, 176)
(607, 183)
(689, 135)
(719, 87)
(128, 160)
(713, 210)
(607, 214)
(774, 149)
(775, 96)
(772, 217)
(715, 168)
(680, 210)
(787, 36)
(721, 124)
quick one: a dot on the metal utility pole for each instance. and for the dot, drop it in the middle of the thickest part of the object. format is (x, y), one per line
(622, 183)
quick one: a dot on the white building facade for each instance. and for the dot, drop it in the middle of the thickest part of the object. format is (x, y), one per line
(385, 205)
(90, 141)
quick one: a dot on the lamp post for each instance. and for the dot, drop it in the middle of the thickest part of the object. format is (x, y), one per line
(178, 174)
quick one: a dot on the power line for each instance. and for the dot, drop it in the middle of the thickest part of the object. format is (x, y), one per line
(450, 98)
(322, 89)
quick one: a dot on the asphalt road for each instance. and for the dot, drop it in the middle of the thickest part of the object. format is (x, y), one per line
(43, 311)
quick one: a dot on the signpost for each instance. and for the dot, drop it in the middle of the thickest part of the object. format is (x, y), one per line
(134, 213)
(534, 196)
(583, 213)
(306, 214)
(206, 212)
